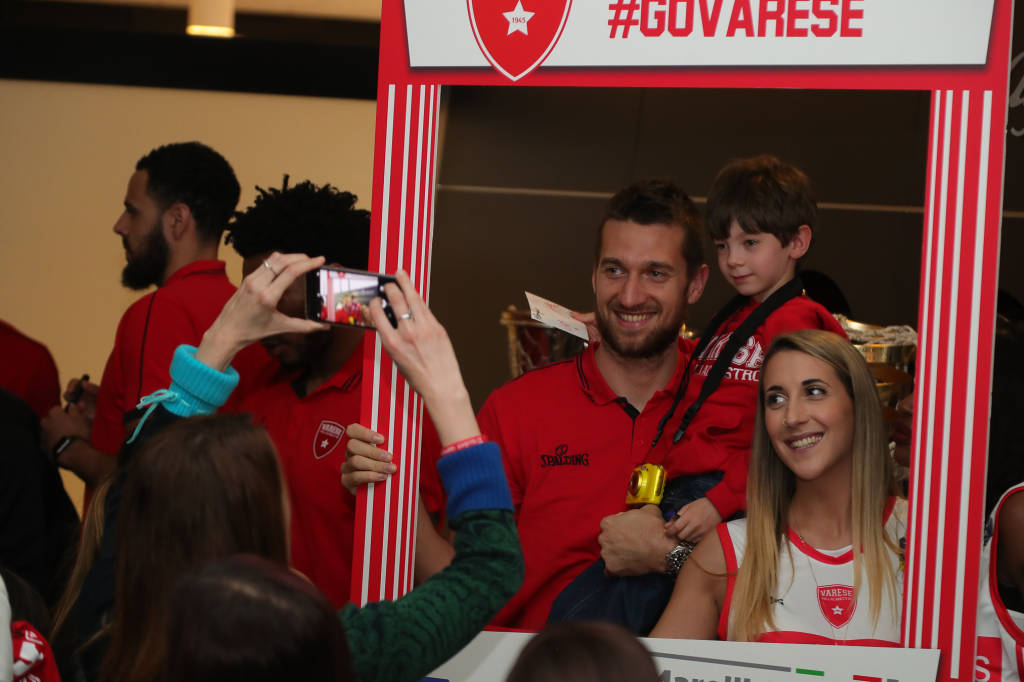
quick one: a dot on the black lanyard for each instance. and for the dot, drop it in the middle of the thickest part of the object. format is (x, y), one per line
(755, 319)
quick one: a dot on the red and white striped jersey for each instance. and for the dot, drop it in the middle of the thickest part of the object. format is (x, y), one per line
(1000, 630)
(814, 602)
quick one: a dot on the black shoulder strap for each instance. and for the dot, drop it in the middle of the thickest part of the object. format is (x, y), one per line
(723, 314)
(755, 319)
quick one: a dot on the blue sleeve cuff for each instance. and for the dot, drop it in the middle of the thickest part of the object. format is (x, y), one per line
(474, 479)
(201, 389)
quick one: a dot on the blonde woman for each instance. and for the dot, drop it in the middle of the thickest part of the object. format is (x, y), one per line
(819, 557)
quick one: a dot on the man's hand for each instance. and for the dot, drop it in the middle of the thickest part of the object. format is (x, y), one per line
(85, 399)
(635, 542)
(364, 461)
(59, 423)
(694, 520)
(590, 320)
(88, 463)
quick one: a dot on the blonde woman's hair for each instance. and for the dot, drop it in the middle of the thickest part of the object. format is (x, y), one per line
(770, 486)
(88, 546)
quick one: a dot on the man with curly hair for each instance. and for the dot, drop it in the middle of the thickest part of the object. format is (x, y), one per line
(307, 405)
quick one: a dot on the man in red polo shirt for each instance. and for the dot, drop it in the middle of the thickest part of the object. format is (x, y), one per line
(176, 205)
(317, 391)
(572, 432)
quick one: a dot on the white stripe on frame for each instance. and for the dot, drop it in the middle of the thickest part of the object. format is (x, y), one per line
(951, 358)
(387, 547)
(402, 517)
(403, 474)
(375, 398)
(917, 563)
(972, 379)
(418, 197)
(417, 410)
(428, 242)
(422, 138)
(932, 357)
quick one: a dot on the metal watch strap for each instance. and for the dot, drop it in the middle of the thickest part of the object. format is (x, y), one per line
(675, 558)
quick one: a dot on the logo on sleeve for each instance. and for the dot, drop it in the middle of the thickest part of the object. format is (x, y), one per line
(837, 604)
(327, 438)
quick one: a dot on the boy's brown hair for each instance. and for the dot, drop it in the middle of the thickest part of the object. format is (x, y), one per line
(762, 194)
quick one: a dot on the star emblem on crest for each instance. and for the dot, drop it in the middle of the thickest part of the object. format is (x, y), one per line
(518, 18)
(838, 610)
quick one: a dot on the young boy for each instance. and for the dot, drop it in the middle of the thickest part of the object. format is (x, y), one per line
(760, 214)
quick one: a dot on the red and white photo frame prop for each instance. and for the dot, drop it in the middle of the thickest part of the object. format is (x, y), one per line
(959, 50)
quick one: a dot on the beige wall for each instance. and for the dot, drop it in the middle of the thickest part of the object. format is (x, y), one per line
(66, 152)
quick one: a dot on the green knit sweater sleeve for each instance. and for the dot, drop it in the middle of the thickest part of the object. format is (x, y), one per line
(406, 639)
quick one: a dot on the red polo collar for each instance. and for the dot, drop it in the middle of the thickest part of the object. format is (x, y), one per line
(594, 385)
(199, 267)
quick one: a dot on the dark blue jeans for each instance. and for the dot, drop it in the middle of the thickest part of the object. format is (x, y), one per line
(635, 602)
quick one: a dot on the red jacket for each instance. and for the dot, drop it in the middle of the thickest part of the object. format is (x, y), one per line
(720, 436)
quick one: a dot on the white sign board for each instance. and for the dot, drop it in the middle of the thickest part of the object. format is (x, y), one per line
(637, 33)
(490, 656)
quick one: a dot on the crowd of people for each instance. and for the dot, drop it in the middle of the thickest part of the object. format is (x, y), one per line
(221, 450)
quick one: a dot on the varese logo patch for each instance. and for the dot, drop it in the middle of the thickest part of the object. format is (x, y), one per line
(517, 35)
(837, 604)
(327, 438)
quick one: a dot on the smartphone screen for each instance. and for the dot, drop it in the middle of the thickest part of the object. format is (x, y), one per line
(342, 296)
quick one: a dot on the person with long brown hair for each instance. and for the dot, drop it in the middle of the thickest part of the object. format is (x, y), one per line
(203, 488)
(209, 487)
(824, 528)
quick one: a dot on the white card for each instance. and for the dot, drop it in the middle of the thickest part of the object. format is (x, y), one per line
(553, 315)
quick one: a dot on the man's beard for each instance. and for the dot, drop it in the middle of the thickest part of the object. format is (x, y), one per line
(655, 342)
(148, 264)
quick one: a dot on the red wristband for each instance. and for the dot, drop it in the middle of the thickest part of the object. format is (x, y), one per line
(462, 445)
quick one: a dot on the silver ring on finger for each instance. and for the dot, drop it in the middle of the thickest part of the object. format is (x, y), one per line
(268, 266)
(406, 315)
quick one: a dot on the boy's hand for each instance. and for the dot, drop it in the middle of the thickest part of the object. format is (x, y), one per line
(694, 520)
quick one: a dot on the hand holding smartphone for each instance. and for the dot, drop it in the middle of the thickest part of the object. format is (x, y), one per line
(342, 296)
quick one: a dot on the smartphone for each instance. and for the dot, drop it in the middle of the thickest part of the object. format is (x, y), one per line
(342, 296)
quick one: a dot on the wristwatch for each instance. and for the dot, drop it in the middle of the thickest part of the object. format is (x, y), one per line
(62, 445)
(675, 559)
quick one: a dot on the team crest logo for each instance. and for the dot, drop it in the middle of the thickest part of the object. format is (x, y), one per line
(327, 438)
(837, 604)
(517, 35)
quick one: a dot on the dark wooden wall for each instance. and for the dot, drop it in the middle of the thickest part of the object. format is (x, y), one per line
(525, 172)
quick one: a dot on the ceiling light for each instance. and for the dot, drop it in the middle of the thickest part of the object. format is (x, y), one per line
(211, 18)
